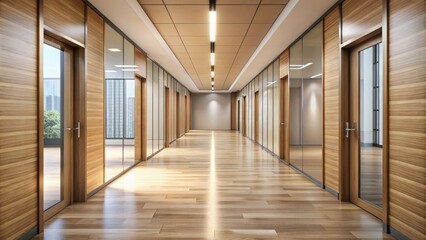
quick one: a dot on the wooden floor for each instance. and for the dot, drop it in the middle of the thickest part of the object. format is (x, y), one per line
(213, 185)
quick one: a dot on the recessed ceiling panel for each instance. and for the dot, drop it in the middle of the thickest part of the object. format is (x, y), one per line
(241, 26)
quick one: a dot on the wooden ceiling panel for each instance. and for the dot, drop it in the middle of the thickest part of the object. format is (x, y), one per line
(189, 13)
(229, 41)
(231, 29)
(177, 49)
(196, 41)
(244, 54)
(226, 49)
(235, 13)
(160, 2)
(193, 30)
(252, 40)
(258, 29)
(167, 29)
(274, 2)
(205, 50)
(173, 40)
(234, 2)
(267, 13)
(188, 2)
(157, 13)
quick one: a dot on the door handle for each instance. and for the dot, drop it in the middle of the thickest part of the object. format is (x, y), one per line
(76, 129)
(347, 129)
(282, 123)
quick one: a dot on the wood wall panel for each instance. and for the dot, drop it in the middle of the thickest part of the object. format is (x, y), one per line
(95, 100)
(331, 79)
(284, 61)
(140, 61)
(138, 118)
(234, 110)
(18, 118)
(360, 18)
(407, 117)
(65, 18)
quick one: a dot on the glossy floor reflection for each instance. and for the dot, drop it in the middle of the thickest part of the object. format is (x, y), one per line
(213, 185)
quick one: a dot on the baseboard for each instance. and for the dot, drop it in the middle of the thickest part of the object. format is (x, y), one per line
(30, 234)
(332, 192)
(396, 234)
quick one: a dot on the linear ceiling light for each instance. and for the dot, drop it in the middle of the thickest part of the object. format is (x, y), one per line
(315, 76)
(212, 15)
(212, 58)
(299, 67)
(126, 66)
(114, 50)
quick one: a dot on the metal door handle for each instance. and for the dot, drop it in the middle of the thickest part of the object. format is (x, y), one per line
(347, 129)
(76, 129)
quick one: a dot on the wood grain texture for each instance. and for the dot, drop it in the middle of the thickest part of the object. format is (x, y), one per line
(360, 18)
(95, 100)
(140, 61)
(331, 81)
(234, 111)
(138, 118)
(201, 188)
(65, 18)
(18, 117)
(407, 117)
(284, 61)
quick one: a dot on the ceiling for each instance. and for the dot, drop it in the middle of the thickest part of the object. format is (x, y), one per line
(241, 26)
(295, 18)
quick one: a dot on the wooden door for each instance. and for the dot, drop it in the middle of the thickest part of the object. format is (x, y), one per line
(365, 111)
(59, 127)
(284, 119)
(167, 117)
(256, 116)
(238, 116)
(177, 116)
(186, 114)
(244, 117)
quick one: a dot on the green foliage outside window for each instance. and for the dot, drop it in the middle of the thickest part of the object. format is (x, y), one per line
(52, 124)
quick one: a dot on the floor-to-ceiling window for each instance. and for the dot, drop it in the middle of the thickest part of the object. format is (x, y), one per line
(120, 103)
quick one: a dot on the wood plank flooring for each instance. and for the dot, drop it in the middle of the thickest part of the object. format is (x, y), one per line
(213, 185)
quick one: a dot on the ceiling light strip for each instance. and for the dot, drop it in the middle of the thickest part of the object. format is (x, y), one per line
(212, 25)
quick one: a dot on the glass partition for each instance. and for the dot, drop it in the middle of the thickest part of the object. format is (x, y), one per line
(306, 104)
(120, 103)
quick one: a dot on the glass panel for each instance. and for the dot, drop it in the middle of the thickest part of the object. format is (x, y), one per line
(265, 108)
(155, 108)
(161, 110)
(370, 120)
(270, 89)
(53, 126)
(276, 109)
(129, 127)
(295, 78)
(149, 103)
(113, 53)
(114, 128)
(312, 103)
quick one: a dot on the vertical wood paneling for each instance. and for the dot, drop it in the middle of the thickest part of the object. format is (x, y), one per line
(234, 111)
(95, 100)
(18, 117)
(138, 118)
(65, 18)
(140, 61)
(284, 61)
(360, 18)
(331, 80)
(407, 117)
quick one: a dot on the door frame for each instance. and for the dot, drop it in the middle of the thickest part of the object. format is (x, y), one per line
(177, 116)
(167, 116)
(68, 122)
(244, 117)
(284, 119)
(347, 171)
(256, 116)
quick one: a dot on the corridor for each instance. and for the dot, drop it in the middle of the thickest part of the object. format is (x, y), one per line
(213, 185)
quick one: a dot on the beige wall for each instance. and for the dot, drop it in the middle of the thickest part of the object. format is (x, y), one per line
(211, 111)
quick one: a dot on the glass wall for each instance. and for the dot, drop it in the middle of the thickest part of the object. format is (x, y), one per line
(266, 85)
(120, 104)
(306, 110)
(157, 81)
